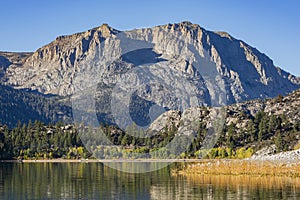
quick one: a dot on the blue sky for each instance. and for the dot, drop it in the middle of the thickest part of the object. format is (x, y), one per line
(271, 26)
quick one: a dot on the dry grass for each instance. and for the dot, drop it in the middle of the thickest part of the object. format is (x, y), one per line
(275, 182)
(242, 167)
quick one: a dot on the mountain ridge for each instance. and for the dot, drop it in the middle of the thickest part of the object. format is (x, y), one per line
(247, 73)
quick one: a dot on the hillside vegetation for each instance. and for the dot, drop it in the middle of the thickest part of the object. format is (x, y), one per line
(249, 127)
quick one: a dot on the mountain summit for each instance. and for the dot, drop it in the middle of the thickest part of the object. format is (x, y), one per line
(246, 72)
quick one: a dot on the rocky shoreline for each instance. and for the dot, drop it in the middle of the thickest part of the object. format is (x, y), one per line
(268, 154)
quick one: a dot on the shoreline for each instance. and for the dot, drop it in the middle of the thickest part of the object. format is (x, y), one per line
(104, 160)
(193, 160)
(196, 167)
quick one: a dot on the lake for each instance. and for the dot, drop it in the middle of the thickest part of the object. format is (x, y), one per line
(97, 181)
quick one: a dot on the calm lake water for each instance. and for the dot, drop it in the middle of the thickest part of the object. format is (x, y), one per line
(97, 181)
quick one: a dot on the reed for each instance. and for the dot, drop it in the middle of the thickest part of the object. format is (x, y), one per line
(241, 167)
(251, 182)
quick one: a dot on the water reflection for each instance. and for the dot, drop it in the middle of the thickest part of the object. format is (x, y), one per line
(240, 187)
(96, 181)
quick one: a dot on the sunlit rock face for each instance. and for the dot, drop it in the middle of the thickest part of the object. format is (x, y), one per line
(103, 54)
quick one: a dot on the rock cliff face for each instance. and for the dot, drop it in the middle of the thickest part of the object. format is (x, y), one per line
(187, 48)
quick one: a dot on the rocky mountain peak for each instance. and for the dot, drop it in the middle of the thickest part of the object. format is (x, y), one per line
(246, 72)
(66, 41)
(184, 27)
(105, 30)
